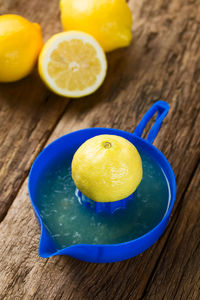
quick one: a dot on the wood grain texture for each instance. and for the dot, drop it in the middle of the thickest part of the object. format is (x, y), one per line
(28, 111)
(163, 62)
(178, 274)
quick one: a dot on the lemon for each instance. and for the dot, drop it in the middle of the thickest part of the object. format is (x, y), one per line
(109, 21)
(72, 64)
(20, 44)
(107, 168)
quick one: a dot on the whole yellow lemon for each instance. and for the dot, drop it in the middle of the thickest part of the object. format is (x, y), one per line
(107, 168)
(109, 21)
(20, 44)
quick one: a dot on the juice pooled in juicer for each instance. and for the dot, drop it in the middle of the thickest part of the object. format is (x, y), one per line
(102, 194)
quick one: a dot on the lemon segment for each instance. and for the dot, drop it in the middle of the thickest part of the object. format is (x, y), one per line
(72, 64)
(107, 168)
(108, 21)
(20, 44)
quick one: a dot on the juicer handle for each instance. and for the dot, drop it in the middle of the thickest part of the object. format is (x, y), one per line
(162, 108)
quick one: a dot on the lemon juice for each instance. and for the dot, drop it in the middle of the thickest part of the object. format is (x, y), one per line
(69, 223)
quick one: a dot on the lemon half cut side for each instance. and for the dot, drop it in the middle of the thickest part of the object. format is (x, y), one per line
(72, 64)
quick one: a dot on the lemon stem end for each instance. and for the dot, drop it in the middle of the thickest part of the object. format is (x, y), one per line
(107, 145)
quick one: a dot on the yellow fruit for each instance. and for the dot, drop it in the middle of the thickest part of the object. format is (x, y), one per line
(72, 64)
(20, 44)
(109, 21)
(107, 168)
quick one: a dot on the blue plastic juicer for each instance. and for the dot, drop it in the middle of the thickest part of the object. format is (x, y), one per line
(71, 142)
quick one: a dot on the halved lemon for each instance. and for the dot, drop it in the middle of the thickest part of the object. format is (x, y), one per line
(72, 64)
(107, 168)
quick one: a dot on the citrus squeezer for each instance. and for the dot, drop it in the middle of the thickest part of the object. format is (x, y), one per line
(103, 207)
(103, 253)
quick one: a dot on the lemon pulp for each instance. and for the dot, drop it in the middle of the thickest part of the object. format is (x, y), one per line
(72, 64)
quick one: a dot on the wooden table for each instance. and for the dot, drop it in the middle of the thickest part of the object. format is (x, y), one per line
(163, 62)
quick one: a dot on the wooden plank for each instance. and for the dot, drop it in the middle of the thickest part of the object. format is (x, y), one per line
(28, 111)
(151, 68)
(177, 275)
